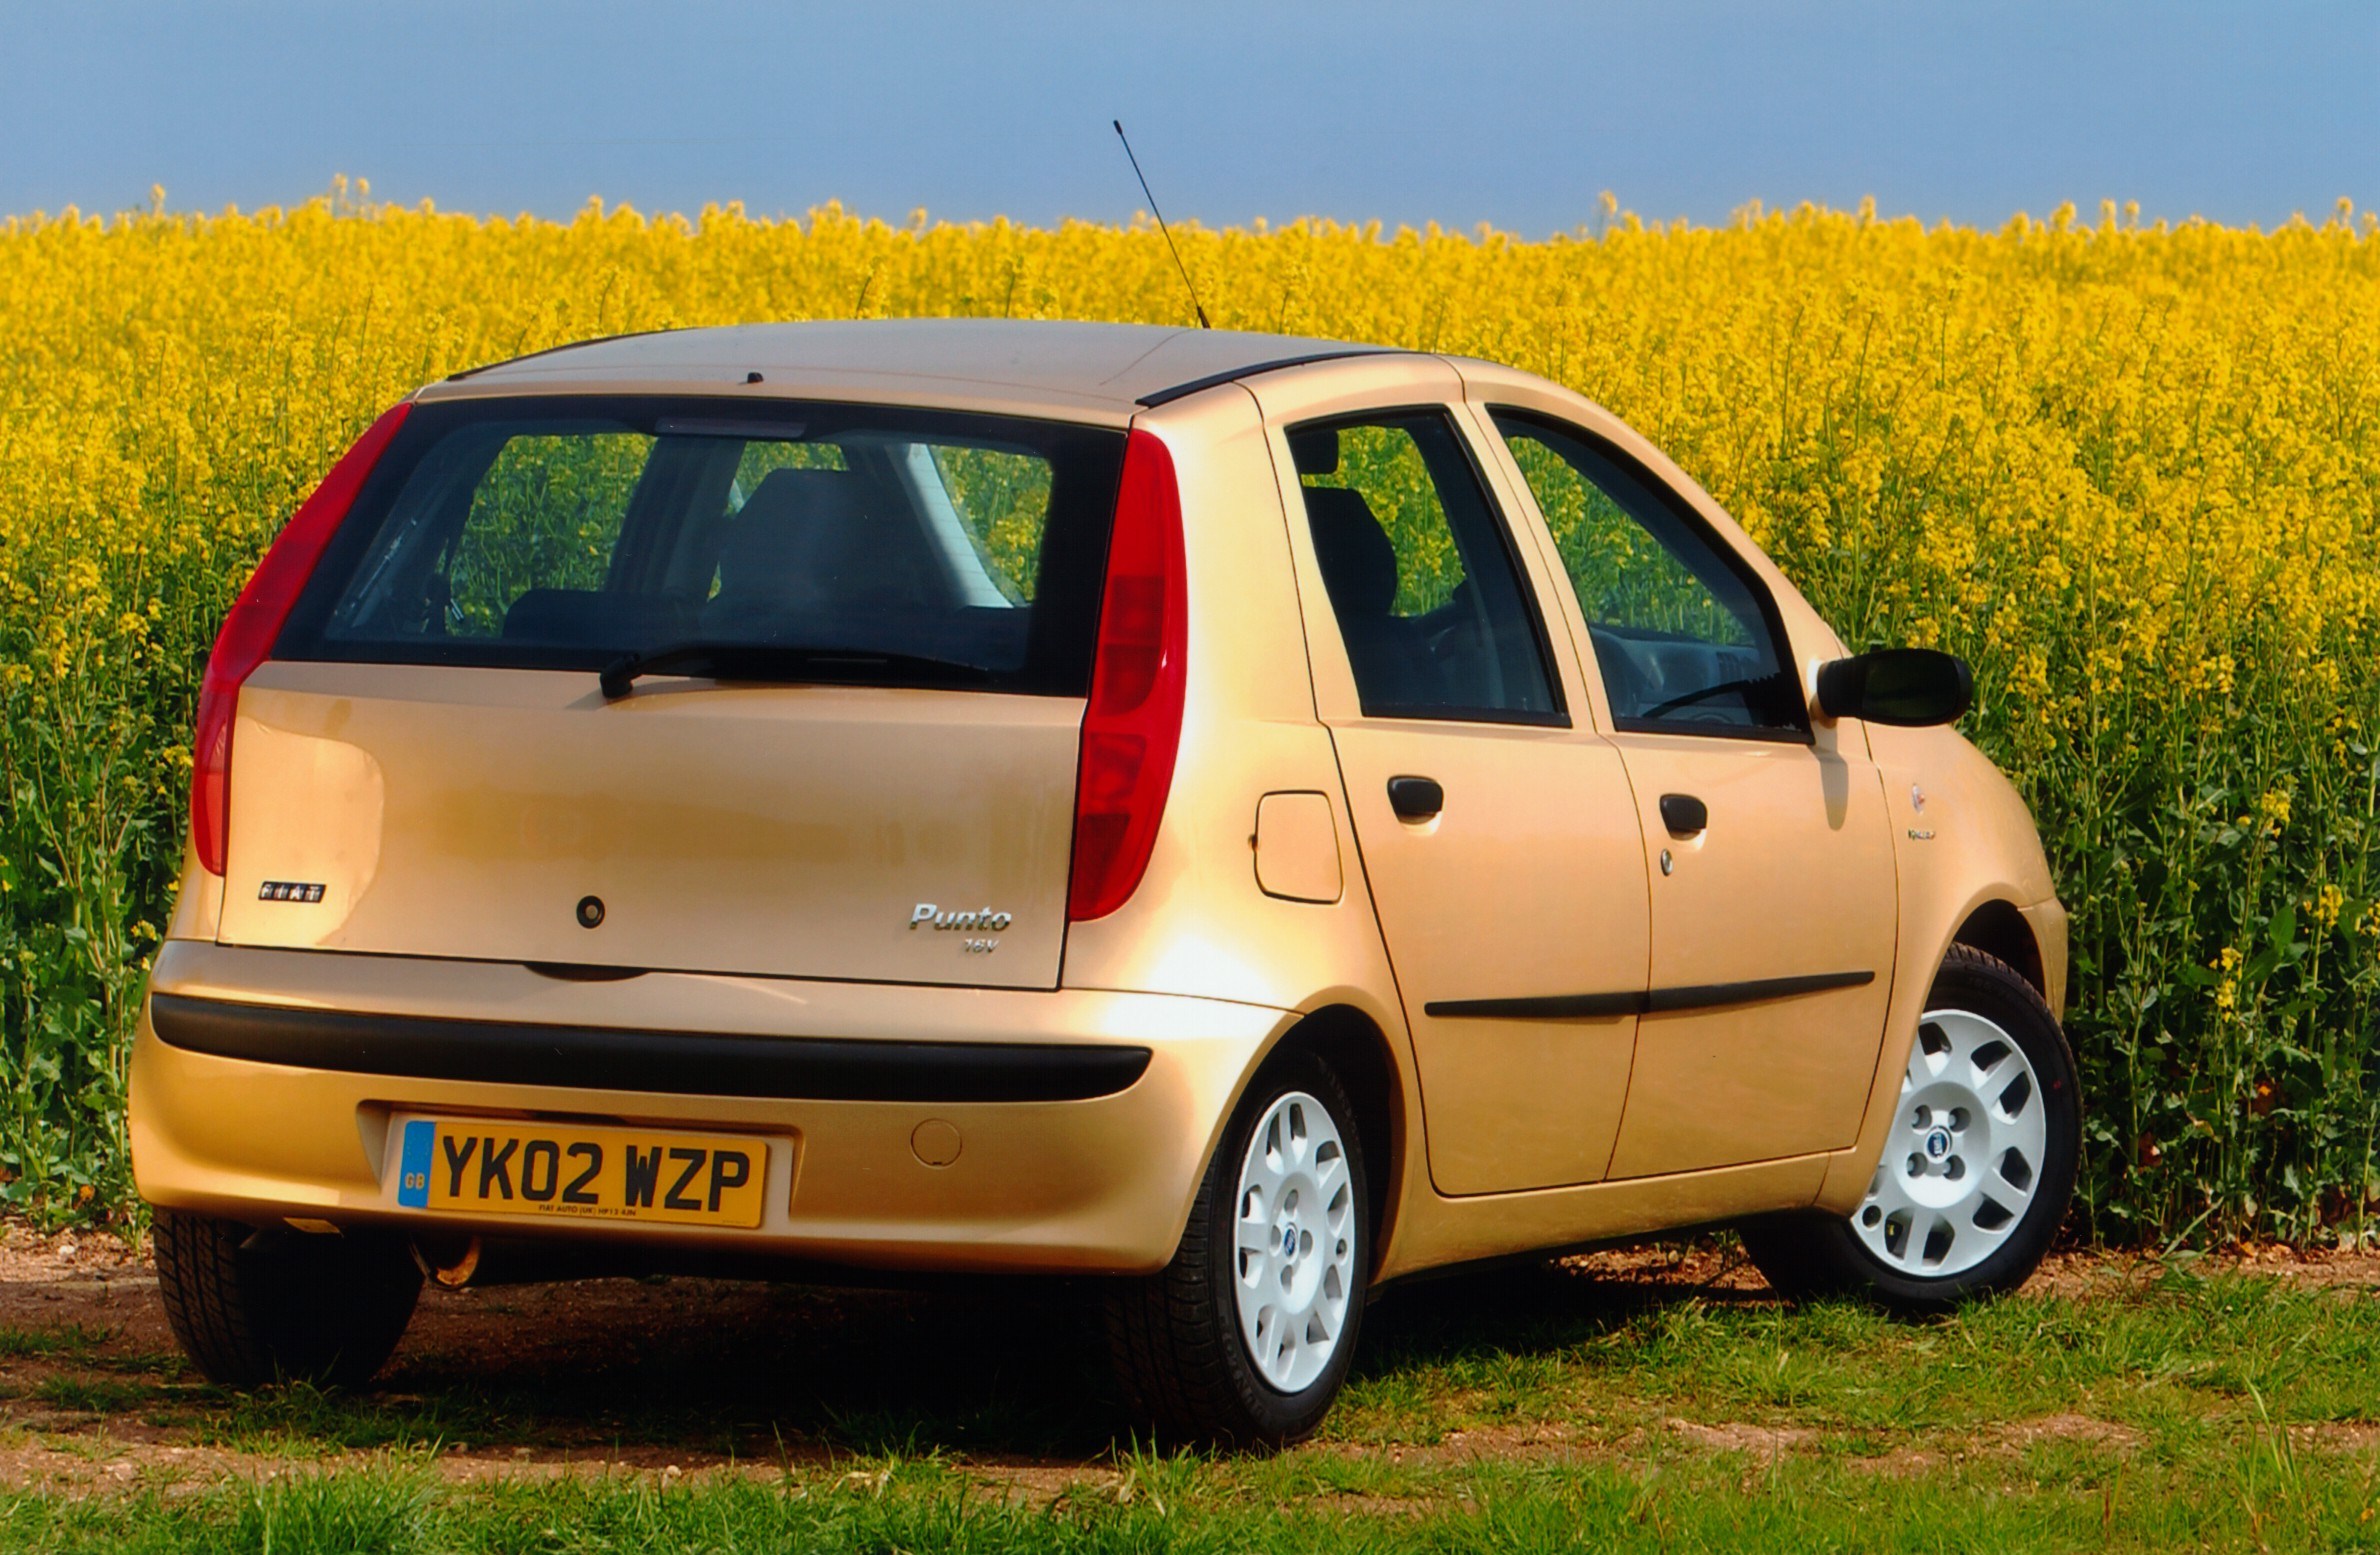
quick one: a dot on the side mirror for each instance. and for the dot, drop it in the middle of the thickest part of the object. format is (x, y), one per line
(1908, 687)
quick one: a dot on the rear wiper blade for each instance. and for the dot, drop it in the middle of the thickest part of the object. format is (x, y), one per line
(778, 661)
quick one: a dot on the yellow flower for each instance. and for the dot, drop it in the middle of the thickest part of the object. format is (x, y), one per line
(2227, 987)
(2124, 470)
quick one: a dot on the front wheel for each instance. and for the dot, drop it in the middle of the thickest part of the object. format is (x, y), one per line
(1244, 1339)
(1978, 1165)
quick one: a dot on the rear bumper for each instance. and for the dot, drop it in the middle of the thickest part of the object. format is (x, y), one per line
(669, 1063)
(265, 1085)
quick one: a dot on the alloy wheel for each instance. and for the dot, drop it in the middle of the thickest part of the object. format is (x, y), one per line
(1966, 1151)
(1295, 1231)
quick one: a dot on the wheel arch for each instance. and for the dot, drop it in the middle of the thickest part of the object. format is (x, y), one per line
(1356, 1050)
(1356, 1047)
(1998, 928)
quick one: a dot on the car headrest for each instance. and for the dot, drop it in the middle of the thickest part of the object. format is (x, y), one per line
(796, 525)
(1359, 564)
(1315, 450)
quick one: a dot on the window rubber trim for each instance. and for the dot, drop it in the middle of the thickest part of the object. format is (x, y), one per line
(1650, 1001)
(671, 1063)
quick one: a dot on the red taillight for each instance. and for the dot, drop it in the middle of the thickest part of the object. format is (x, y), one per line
(255, 620)
(1134, 724)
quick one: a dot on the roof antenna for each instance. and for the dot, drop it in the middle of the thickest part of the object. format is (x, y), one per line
(1188, 285)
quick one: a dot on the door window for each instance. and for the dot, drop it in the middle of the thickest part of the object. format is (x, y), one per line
(1421, 578)
(1686, 638)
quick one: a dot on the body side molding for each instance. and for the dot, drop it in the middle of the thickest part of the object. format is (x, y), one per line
(1656, 1001)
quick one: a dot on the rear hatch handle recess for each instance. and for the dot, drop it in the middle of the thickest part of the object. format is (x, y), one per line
(781, 662)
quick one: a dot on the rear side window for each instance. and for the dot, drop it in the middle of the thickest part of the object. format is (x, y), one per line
(1429, 601)
(568, 533)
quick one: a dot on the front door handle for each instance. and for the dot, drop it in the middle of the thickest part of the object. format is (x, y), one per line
(1415, 798)
(1684, 814)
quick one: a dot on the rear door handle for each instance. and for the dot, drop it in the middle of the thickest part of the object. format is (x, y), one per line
(1415, 798)
(1684, 814)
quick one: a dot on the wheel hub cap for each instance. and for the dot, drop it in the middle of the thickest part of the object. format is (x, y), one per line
(1966, 1151)
(1294, 1262)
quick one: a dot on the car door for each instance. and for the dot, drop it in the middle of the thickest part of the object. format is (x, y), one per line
(1496, 832)
(1774, 913)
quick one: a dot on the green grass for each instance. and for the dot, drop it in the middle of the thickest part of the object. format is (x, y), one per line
(2132, 1355)
(95, 1395)
(2254, 1493)
(1521, 1411)
(299, 1420)
(66, 1339)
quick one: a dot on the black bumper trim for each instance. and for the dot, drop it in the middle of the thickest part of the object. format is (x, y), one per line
(666, 1062)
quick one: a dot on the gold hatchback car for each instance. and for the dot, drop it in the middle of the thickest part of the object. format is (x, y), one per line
(1240, 818)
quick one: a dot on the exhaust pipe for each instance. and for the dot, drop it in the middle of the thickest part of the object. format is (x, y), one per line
(447, 1266)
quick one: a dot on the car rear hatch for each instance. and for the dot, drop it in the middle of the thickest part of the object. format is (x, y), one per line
(790, 689)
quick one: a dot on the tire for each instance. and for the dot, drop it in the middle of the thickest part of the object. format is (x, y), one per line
(256, 1307)
(2023, 1171)
(1185, 1362)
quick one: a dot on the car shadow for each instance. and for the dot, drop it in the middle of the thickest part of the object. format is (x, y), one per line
(998, 1371)
(1542, 1306)
(753, 1371)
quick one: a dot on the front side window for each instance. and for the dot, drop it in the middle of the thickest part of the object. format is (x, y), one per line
(905, 547)
(1685, 637)
(1428, 598)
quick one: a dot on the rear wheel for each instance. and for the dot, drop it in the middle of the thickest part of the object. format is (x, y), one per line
(1244, 1339)
(253, 1307)
(1977, 1167)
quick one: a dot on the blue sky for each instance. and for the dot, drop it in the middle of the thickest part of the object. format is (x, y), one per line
(1516, 114)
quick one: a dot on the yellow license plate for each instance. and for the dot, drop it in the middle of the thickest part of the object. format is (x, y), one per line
(481, 1167)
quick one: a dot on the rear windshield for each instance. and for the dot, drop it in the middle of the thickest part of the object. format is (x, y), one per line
(570, 533)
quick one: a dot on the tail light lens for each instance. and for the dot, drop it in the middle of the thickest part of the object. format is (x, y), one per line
(1133, 727)
(255, 621)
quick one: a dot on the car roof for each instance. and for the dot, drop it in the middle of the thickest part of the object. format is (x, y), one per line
(1019, 364)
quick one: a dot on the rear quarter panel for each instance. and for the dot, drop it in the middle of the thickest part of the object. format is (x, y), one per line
(1201, 923)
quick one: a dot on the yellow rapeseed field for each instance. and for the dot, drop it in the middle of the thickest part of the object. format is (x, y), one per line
(2130, 472)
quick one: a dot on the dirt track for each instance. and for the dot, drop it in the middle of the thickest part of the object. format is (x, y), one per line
(687, 1376)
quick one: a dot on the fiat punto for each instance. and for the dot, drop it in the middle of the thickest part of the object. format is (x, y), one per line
(1236, 820)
